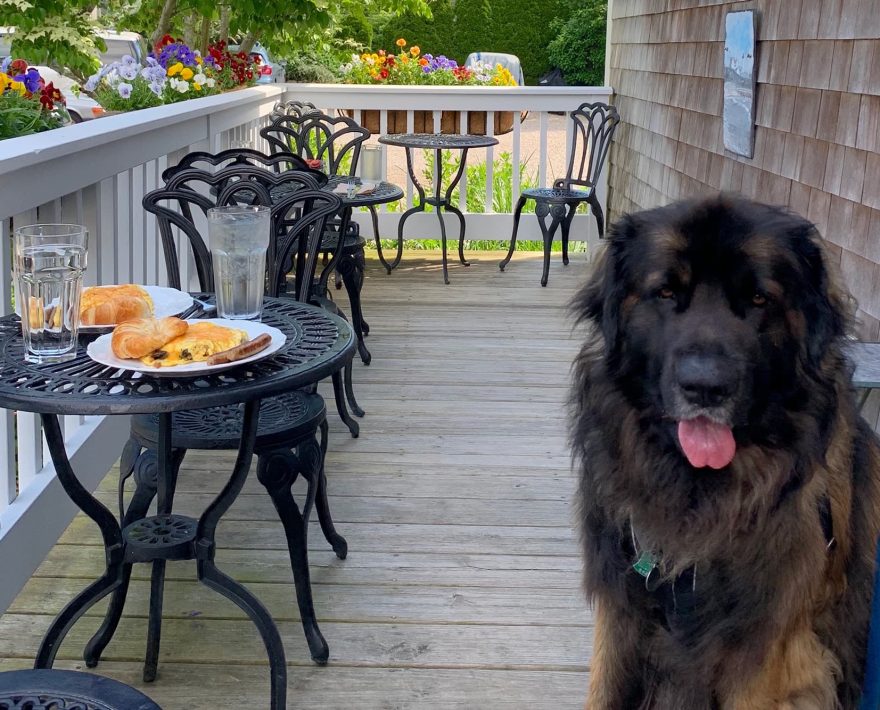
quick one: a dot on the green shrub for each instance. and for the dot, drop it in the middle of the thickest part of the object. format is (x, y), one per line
(578, 48)
(520, 27)
(306, 68)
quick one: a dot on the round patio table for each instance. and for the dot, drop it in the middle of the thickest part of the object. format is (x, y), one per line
(438, 142)
(318, 344)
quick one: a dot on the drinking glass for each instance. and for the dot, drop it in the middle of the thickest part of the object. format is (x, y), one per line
(371, 163)
(48, 265)
(238, 237)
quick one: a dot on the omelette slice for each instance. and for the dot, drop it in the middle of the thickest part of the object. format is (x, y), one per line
(200, 341)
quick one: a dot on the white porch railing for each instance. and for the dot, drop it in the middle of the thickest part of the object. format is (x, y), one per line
(96, 173)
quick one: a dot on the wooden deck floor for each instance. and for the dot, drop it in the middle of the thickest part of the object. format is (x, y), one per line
(462, 584)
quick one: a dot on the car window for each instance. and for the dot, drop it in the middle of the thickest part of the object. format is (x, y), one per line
(117, 49)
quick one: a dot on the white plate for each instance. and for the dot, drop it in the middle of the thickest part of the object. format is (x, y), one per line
(166, 302)
(101, 351)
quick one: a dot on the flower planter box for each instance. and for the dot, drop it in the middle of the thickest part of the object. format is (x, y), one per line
(450, 122)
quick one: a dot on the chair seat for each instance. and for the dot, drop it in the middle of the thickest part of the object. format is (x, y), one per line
(284, 421)
(556, 194)
(45, 688)
(353, 242)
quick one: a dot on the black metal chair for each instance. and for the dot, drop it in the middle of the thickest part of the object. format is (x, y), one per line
(293, 108)
(594, 126)
(287, 444)
(337, 141)
(278, 162)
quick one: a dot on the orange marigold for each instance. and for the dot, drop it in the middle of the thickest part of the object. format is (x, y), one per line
(401, 42)
(414, 50)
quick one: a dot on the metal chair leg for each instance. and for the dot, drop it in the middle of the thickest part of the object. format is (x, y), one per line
(277, 471)
(520, 203)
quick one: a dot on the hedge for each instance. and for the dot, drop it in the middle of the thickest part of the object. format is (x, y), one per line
(520, 27)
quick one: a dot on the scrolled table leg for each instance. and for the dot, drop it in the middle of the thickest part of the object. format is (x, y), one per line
(111, 533)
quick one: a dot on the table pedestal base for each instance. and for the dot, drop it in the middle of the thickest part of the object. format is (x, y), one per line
(157, 539)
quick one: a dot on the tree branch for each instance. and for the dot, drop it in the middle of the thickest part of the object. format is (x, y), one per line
(168, 9)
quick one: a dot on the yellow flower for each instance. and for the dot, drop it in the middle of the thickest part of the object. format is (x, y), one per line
(18, 86)
(186, 74)
(4, 82)
(404, 59)
(175, 69)
(401, 42)
(197, 87)
(199, 60)
(414, 50)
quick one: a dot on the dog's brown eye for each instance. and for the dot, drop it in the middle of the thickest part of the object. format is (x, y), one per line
(759, 300)
(666, 293)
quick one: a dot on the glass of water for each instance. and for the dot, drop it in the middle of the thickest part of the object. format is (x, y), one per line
(48, 265)
(238, 237)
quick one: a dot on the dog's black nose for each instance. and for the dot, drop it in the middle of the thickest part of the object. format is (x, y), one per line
(705, 380)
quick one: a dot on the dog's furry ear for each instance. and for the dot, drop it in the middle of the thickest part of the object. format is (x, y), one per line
(600, 300)
(827, 308)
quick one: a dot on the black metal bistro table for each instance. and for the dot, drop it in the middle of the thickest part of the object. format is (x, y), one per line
(318, 343)
(351, 265)
(437, 142)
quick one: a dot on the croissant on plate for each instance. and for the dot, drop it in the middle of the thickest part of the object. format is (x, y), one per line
(138, 338)
(109, 305)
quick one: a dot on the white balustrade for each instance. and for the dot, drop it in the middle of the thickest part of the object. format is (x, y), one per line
(96, 173)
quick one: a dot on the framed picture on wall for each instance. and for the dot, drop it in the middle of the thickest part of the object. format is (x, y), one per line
(739, 82)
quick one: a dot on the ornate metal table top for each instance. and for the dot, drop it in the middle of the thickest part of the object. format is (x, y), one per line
(317, 343)
(68, 690)
(438, 141)
(384, 191)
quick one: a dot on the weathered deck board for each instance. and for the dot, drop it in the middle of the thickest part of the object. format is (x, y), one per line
(462, 585)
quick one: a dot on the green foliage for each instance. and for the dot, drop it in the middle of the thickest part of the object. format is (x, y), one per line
(141, 97)
(56, 33)
(22, 115)
(309, 68)
(502, 180)
(520, 27)
(578, 48)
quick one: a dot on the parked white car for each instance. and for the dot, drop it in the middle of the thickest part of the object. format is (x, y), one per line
(270, 72)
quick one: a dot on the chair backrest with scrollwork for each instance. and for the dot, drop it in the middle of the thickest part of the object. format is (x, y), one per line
(277, 162)
(293, 107)
(593, 128)
(299, 213)
(336, 140)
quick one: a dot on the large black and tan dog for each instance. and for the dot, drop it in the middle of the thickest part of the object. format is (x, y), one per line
(730, 492)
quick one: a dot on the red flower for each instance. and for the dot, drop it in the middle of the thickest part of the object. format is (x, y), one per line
(383, 74)
(49, 96)
(18, 66)
(390, 60)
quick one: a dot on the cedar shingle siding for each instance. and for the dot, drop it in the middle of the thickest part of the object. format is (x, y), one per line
(817, 143)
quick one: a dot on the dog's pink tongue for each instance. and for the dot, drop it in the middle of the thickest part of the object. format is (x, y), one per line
(706, 443)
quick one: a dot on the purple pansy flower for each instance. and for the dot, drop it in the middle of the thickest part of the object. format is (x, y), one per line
(31, 80)
(124, 90)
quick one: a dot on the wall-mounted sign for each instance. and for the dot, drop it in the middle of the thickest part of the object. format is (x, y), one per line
(739, 82)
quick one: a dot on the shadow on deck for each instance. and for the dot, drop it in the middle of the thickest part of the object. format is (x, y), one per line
(462, 584)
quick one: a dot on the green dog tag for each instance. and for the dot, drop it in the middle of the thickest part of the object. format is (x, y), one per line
(645, 564)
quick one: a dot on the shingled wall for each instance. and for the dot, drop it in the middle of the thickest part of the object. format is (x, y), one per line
(817, 143)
